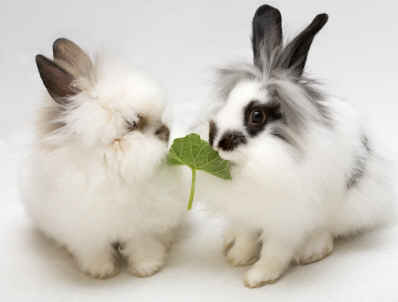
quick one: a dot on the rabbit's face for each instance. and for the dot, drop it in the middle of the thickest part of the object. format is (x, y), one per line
(117, 107)
(268, 105)
(251, 113)
(100, 104)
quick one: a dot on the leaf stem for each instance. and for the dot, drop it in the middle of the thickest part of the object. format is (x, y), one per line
(192, 189)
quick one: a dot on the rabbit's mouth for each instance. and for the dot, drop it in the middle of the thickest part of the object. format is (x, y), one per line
(236, 158)
(230, 146)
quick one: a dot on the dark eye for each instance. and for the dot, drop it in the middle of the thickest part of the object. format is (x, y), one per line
(131, 126)
(139, 124)
(257, 117)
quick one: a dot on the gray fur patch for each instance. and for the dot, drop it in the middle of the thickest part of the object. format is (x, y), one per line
(228, 77)
(292, 115)
(283, 133)
(317, 98)
(360, 164)
(365, 143)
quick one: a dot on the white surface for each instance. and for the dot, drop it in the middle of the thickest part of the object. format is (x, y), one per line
(179, 42)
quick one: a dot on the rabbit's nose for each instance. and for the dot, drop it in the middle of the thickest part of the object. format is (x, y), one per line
(231, 139)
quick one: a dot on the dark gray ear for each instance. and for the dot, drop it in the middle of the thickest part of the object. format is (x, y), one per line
(295, 54)
(57, 80)
(69, 55)
(267, 34)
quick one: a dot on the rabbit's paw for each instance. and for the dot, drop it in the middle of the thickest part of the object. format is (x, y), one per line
(147, 267)
(101, 265)
(243, 250)
(274, 260)
(260, 275)
(145, 257)
(318, 247)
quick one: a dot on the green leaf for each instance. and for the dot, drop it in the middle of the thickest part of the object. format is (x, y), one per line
(197, 154)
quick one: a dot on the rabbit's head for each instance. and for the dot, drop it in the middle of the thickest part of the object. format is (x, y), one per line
(270, 104)
(96, 104)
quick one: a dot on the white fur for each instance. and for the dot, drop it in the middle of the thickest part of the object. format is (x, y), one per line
(91, 183)
(292, 195)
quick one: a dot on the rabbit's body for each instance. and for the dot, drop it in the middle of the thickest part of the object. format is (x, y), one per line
(96, 180)
(338, 176)
(304, 169)
(338, 183)
(83, 202)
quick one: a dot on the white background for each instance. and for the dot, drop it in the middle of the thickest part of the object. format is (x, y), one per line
(179, 43)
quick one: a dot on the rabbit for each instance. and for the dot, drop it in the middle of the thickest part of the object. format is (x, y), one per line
(304, 168)
(96, 179)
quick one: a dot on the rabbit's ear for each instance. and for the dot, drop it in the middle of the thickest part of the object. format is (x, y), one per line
(295, 54)
(72, 57)
(266, 35)
(57, 80)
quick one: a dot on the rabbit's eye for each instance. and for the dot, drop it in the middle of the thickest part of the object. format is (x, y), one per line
(257, 117)
(136, 125)
(131, 126)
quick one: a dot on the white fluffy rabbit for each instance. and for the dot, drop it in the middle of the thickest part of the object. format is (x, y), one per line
(304, 170)
(97, 180)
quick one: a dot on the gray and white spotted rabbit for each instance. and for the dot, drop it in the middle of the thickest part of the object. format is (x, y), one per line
(304, 169)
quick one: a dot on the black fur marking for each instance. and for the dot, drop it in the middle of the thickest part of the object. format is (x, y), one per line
(294, 56)
(266, 34)
(231, 139)
(118, 246)
(360, 164)
(271, 111)
(212, 132)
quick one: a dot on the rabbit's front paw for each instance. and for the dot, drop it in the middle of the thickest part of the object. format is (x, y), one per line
(260, 274)
(243, 250)
(147, 267)
(318, 247)
(145, 257)
(274, 260)
(100, 264)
